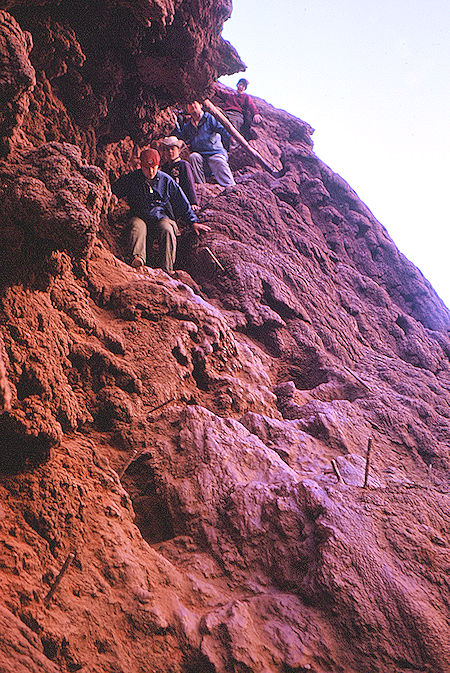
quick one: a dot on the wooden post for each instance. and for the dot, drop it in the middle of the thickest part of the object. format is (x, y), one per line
(160, 406)
(336, 471)
(134, 455)
(366, 475)
(212, 109)
(56, 583)
(357, 378)
(213, 257)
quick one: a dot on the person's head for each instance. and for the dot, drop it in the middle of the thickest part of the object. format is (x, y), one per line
(149, 159)
(242, 85)
(172, 146)
(194, 110)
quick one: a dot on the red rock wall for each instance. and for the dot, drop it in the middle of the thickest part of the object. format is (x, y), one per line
(210, 534)
(105, 69)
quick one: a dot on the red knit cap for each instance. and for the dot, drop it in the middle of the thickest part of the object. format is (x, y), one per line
(150, 157)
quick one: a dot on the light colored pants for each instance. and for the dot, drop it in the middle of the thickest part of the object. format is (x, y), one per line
(218, 165)
(165, 230)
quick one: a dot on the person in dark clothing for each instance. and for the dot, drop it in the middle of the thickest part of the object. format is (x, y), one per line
(239, 108)
(202, 134)
(179, 170)
(155, 202)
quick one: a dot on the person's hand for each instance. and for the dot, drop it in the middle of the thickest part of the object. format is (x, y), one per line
(195, 207)
(198, 227)
(257, 119)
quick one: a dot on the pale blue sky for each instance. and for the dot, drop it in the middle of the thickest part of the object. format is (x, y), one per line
(372, 78)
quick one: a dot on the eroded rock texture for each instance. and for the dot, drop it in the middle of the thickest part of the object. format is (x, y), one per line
(176, 435)
(105, 69)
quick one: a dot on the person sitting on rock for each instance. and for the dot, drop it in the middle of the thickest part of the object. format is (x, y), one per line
(239, 108)
(179, 170)
(202, 134)
(155, 202)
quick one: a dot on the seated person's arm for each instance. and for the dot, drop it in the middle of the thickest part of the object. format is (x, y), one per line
(218, 128)
(256, 117)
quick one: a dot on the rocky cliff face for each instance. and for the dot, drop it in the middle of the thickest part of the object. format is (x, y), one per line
(173, 439)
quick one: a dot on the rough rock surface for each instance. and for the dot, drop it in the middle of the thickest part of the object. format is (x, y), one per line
(172, 438)
(102, 70)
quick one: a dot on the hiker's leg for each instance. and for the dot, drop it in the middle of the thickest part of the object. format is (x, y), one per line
(167, 242)
(138, 239)
(237, 119)
(196, 161)
(220, 169)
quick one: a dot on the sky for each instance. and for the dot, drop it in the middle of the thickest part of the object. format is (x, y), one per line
(373, 79)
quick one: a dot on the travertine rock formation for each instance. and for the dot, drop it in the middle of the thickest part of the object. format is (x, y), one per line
(173, 438)
(105, 68)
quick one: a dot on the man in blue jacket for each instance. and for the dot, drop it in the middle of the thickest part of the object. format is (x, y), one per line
(202, 134)
(155, 202)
